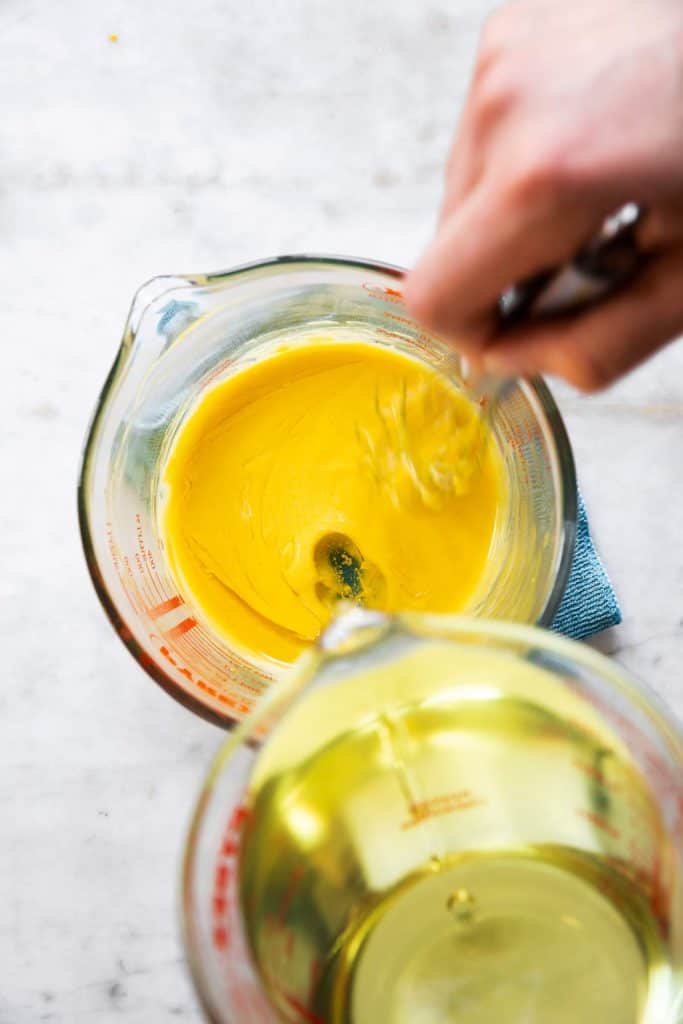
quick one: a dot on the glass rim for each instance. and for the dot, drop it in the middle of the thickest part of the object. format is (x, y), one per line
(536, 390)
(448, 628)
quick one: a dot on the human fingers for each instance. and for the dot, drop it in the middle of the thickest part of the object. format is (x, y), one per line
(499, 236)
(594, 348)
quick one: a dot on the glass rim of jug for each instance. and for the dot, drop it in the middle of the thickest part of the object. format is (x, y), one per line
(151, 291)
(345, 634)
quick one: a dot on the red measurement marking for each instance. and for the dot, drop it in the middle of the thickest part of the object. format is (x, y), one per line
(256, 690)
(390, 334)
(241, 987)
(165, 607)
(230, 847)
(304, 1013)
(447, 803)
(653, 888)
(241, 705)
(238, 818)
(385, 294)
(399, 320)
(595, 773)
(183, 627)
(113, 550)
(138, 599)
(143, 559)
(224, 698)
(223, 876)
(600, 823)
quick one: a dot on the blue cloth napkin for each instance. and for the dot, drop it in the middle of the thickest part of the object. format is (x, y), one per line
(589, 604)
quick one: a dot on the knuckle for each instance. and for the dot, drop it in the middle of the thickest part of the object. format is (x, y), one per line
(591, 379)
(585, 369)
(494, 94)
(500, 79)
(544, 177)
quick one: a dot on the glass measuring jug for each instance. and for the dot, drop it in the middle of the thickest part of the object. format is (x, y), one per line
(439, 819)
(185, 335)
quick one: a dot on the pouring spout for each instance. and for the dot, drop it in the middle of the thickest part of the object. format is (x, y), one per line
(353, 628)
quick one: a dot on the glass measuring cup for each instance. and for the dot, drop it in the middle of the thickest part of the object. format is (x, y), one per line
(438, 819)
(185, 334)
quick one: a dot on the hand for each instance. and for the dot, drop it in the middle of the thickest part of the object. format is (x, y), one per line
(573, 111)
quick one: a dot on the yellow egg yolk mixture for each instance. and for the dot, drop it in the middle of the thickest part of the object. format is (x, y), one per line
(328, 470)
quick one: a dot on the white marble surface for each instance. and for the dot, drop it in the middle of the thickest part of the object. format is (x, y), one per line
(210, 133)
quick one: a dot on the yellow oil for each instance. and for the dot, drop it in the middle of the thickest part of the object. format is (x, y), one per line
(422, 849)
(501, 938)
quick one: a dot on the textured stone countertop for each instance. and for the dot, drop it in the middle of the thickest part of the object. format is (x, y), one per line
(208, 134)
